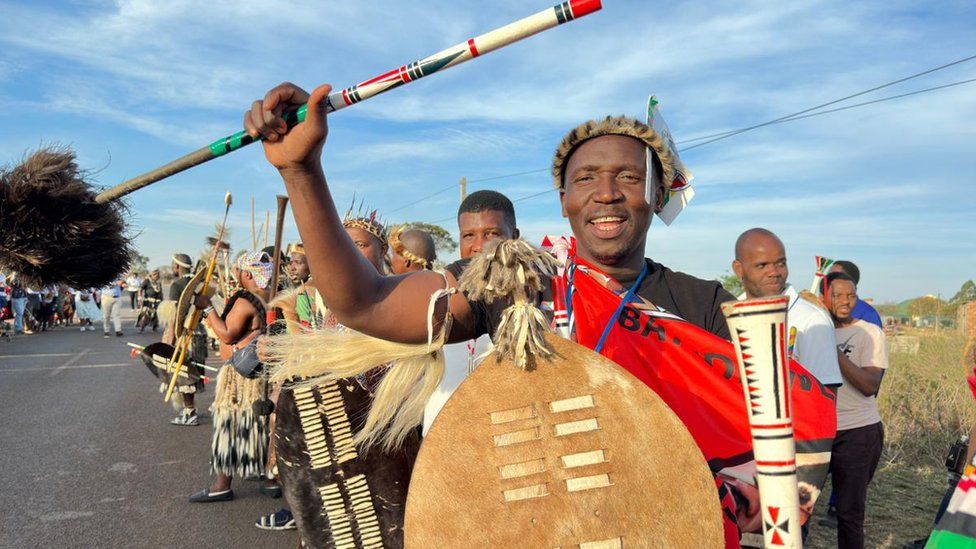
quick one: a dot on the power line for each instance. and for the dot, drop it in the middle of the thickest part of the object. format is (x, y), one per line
(547, 191)
(819, 113)
(419, 200)
(882, 100)
(727, 135)
(507, 175)
(799, 115)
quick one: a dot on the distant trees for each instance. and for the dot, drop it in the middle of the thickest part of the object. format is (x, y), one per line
(139, 263)
(443, 240)
(927, 305)
(731, 283)
(965, 294)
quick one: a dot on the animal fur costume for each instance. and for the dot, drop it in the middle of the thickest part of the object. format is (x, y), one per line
(297, 318)
(341, 493)
(167, 313)
(240, 438)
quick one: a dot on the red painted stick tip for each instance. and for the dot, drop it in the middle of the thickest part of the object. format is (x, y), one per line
(584, 7)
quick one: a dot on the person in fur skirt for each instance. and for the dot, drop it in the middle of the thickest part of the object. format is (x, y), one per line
(240, 438)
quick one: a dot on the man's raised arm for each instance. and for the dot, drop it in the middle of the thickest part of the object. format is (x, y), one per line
(392, 308)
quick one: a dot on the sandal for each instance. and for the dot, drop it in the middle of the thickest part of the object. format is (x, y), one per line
(281, 519)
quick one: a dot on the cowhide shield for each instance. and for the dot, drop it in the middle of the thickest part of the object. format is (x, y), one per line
(340, 496)
(574, 453)
(156, 357)
(185, 306)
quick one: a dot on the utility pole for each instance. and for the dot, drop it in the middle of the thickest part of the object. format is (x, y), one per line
(464, 188)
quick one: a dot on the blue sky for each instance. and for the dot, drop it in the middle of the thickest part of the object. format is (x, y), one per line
(133, 84)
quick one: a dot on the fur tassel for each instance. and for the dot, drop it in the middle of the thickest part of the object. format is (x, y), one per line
(400, 399)
(513, 270)
(235, 392)
(285, 300)
(414, 373)
(520, 335)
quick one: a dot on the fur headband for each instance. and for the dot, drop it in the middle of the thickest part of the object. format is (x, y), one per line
(612, 125)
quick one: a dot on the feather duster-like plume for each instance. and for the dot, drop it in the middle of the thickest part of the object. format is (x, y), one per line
(224, 242)
(513, 270)
(51, 228)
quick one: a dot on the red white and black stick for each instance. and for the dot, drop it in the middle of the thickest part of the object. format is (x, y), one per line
(758, 328)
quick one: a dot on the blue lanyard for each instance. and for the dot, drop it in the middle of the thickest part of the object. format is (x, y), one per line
(620, 308)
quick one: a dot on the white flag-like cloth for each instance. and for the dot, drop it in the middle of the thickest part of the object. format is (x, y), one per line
(680, 192)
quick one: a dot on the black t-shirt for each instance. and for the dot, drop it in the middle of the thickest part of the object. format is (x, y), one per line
(177, 287)
(693, 299)
(150, 291)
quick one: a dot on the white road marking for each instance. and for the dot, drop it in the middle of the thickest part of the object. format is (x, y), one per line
(69, 367)
(38, 355)
(73, 360)
(65, 515)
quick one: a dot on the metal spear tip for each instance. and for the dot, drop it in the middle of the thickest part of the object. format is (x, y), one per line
(228, 199)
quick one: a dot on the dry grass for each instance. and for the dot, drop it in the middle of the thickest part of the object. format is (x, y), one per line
(925, 404)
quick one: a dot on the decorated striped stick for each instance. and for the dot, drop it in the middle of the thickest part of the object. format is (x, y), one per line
(163, 364)
(758, 332)
(823, 265)
(443, 60)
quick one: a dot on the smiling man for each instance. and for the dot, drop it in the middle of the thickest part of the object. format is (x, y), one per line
(600, 169)
(760, 263)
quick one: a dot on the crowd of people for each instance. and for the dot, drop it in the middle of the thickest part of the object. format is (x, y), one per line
(25, 309)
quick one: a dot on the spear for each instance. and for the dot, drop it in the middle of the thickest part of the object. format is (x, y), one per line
(40, 257)
(254, 234)
(183, 344)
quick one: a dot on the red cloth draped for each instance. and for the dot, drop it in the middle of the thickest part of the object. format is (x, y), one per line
(696, 374)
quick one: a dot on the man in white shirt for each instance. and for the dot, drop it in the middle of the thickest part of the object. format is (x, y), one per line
(112, 307)
(760, 263)
(860, 434)
(132, 285)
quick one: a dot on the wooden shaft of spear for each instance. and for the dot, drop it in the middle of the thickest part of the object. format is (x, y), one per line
(184, 343)
(279, 228)
(559, 14)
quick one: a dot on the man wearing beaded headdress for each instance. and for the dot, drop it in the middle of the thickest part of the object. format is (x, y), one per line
(613, 175)
(369, 236)
(184, 395)
(301, 312)
(240, 438)
(411, 250)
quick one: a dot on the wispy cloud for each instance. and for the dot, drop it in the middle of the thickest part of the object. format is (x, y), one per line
(888, 185)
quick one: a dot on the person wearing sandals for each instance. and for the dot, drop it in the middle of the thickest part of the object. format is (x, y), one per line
(298, 306)
(240, 437)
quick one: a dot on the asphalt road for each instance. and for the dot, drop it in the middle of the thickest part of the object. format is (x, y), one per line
(88, 457)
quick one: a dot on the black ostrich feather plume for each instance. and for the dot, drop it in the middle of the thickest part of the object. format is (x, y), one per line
(51, 228)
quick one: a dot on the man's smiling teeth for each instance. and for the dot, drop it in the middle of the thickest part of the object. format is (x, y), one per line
(607, 223)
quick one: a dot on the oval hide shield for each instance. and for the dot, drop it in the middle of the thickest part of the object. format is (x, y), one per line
(574, 453)
(185, 306)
